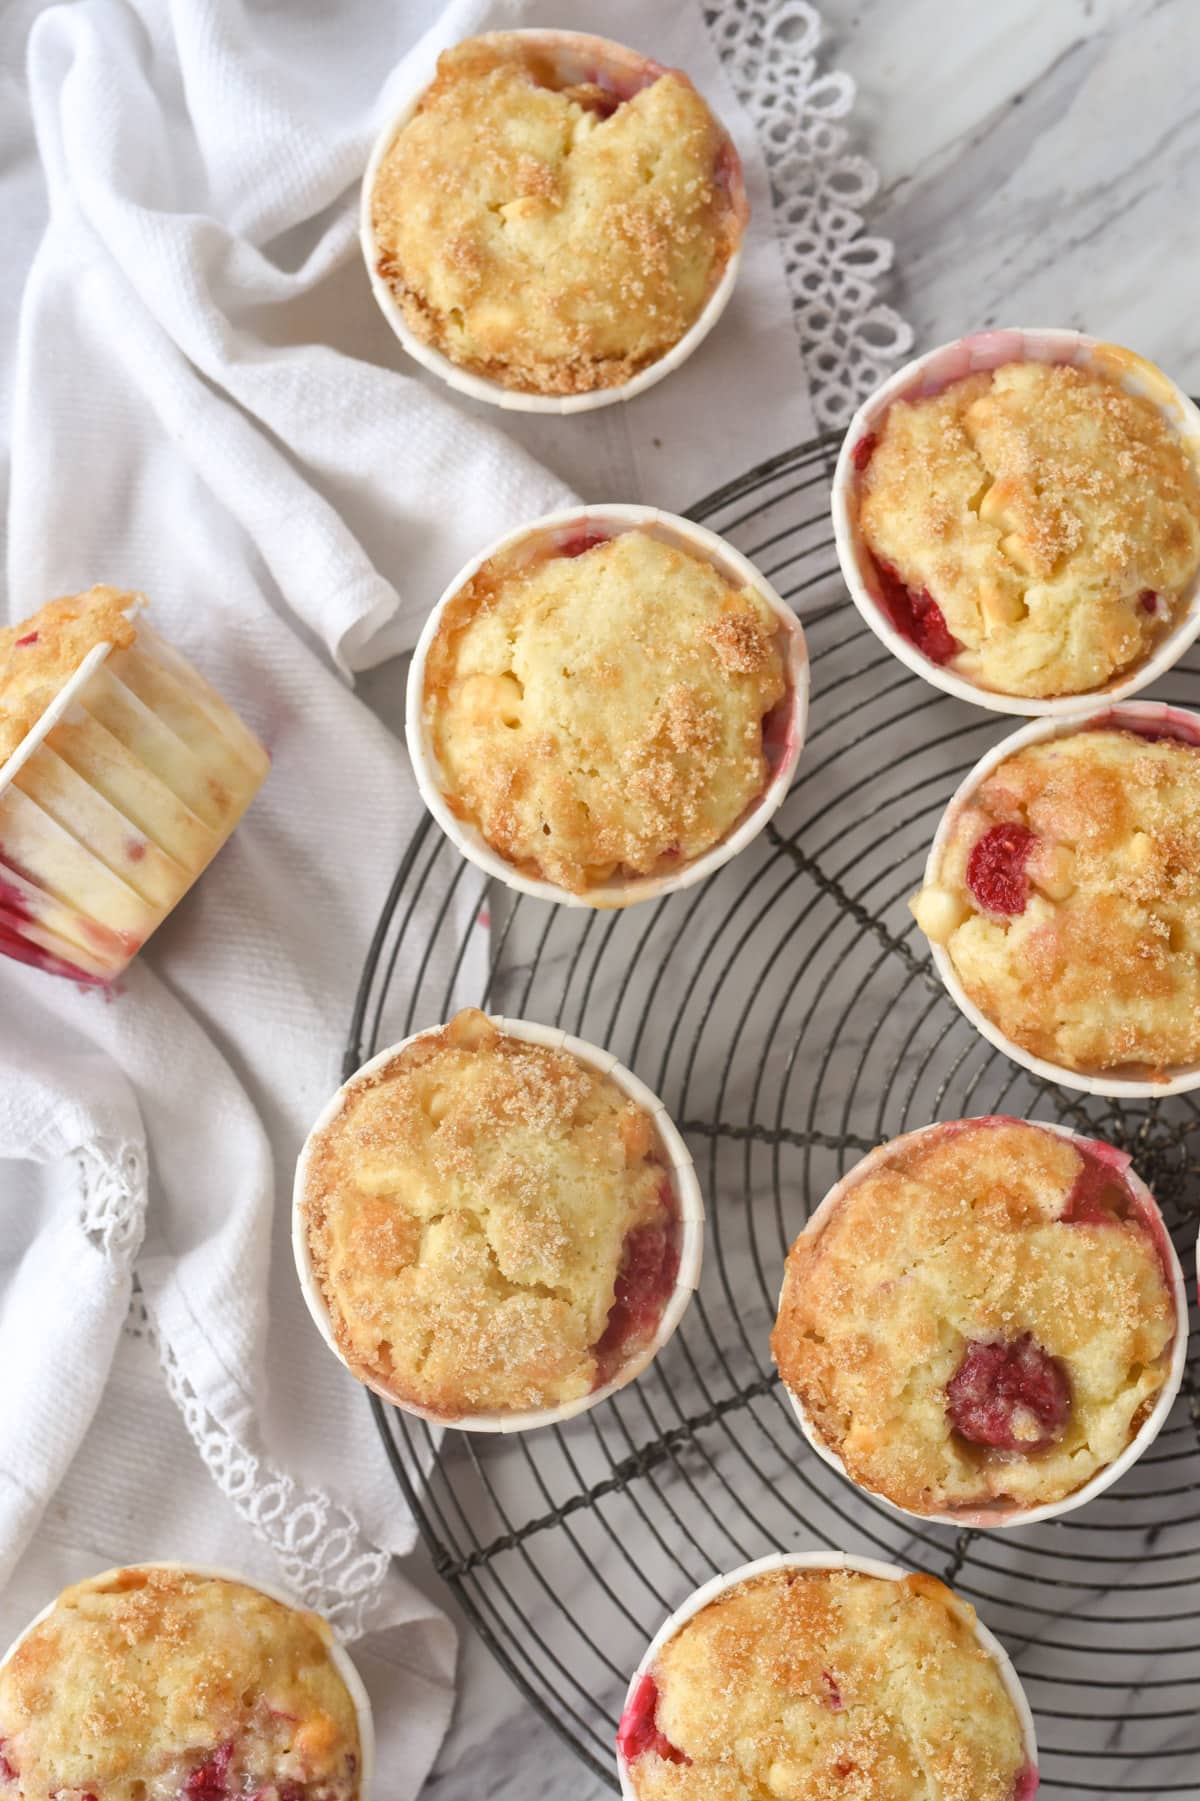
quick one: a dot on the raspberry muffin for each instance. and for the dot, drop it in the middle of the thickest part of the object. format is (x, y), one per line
(981, 1319)
(555, 213)
(1034, 527)
(1064, 888)
(156, 1682)
(122, 773)
(605, 705)
(796, 1680)
(495, 1226)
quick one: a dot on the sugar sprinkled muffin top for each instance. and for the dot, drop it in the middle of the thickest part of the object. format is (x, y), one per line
(147, 1684)
(555, 240)
(492, 1224)
(826, 1685)
(1050, 519)
(983, 1318)
(40, 654)
(1068, 899)
(600, 712)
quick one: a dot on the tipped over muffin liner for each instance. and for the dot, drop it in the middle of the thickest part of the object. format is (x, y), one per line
(543, 534)
(107, 809)
(998, 1515)
(690, 1226)
(338, 1656)
(1152, 715)
(929, 374)
(821, 1560)
(577, 56)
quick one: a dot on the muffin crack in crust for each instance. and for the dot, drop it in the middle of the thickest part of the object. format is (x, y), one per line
(152, 1684)
(818, 1685)
(603, 713)
(1067, 896)
(492, 1224)
(554, 239)
(984, 1318)
(1050, 518)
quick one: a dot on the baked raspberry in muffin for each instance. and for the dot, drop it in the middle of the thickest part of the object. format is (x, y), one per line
(602, 705)
(1066, 894)
(156, 1683)
(110, 812)
(555, 235)
(811, 1682)
(493, 1225)
(1032, 526)
(983, 1320)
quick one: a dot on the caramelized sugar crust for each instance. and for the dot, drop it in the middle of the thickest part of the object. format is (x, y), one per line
(468, 1210)
(1053, 518)
(815, 1685)
(966, 1236)
(148, 1684)
(555, 240)
(1100, 971)
(602, 714)
(40, 654)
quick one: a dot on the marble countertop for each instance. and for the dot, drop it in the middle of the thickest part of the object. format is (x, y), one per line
(1039, 165)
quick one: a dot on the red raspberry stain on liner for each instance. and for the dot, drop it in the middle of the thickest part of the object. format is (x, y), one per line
(638, 1733)
(1027, 1784)
(864, 450)
(996, 868)
(916, 616)
(995, 1382)
(580, 542)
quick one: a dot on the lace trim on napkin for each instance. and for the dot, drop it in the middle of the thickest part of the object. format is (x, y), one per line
(113, 1179)
(850, 341)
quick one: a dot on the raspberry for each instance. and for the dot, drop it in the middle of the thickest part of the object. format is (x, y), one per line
(917, 617)
(1009, 1396)
(583, 540)
(996, 868)
(638, 1733)
(649, 1265)
(863, 451)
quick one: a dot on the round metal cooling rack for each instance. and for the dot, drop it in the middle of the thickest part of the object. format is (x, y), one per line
(789, 1016)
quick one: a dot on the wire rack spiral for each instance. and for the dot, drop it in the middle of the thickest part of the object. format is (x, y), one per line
(789, 1016)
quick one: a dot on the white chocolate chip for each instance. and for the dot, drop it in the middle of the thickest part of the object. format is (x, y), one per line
(938, 912)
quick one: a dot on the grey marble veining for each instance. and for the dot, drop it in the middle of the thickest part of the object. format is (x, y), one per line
(1040, 164)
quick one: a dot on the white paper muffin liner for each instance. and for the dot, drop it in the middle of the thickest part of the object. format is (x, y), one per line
(1145, 715)
(929, 374)
(1152, 1425)
(109, 809)
(338, 1656)
(818, 1560)
(691, 1230)
(578, 57)
(739, 572)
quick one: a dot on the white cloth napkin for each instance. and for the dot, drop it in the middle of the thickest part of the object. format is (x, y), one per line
(207, 407)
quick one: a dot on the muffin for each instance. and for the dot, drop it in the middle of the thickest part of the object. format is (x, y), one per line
(808, 1681)
(150, 1683)
(494, 1225)
(122, 773)
(605, 704)
(981, 1319)
(1033, 527)
(1064, 888)
(555, 213)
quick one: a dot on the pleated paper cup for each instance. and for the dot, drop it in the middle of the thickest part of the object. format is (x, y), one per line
(936, 370)
(1150, 717)
(828, 1560)
(677, 1158)
(1150, 1216)
(783, 750)
(338, 1656)
(113, 803)
(574, 57)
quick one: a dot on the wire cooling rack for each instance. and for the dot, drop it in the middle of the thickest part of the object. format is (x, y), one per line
(788, 1015)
